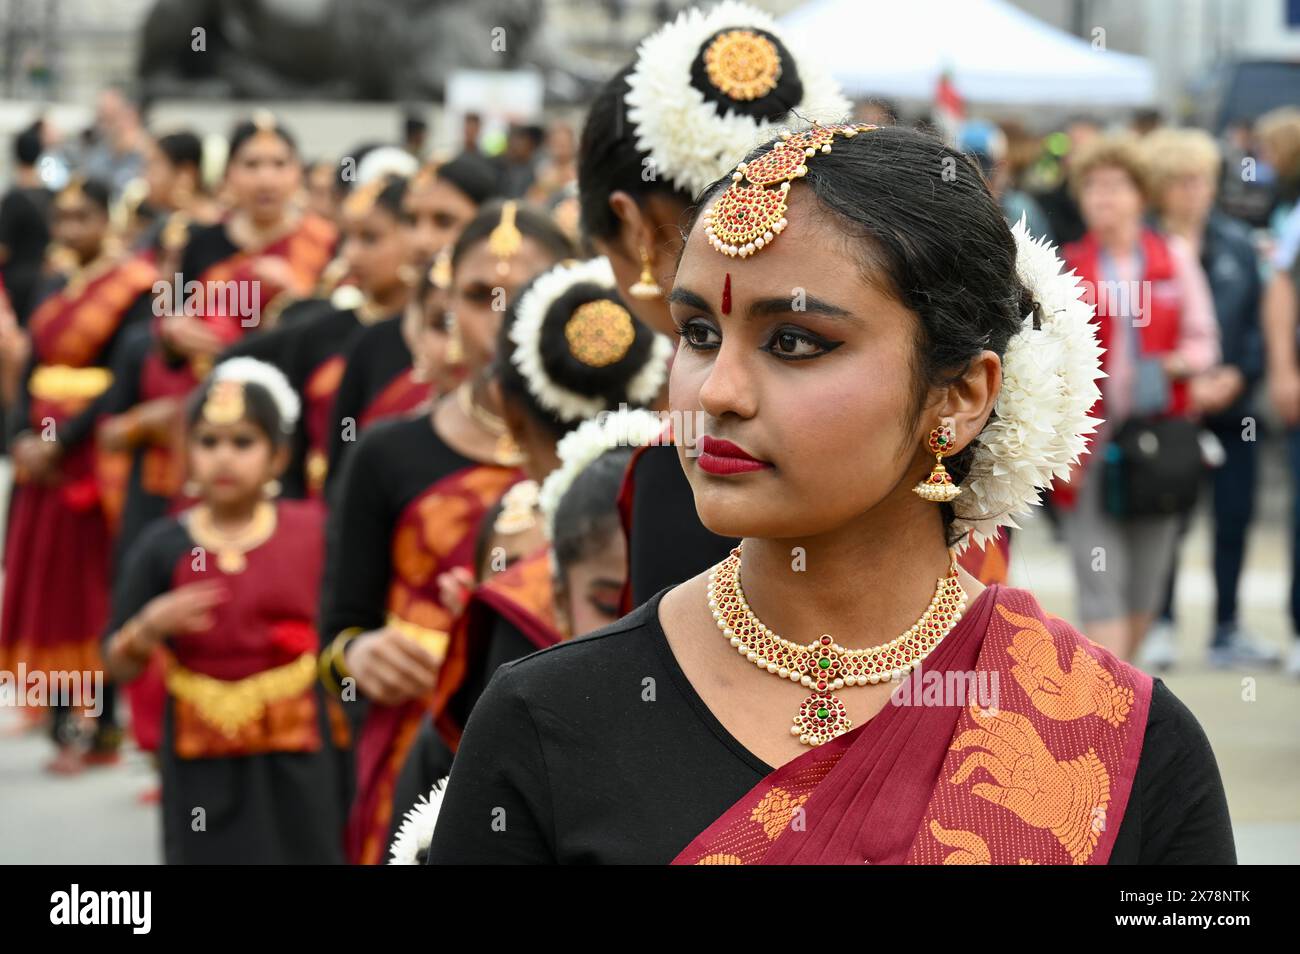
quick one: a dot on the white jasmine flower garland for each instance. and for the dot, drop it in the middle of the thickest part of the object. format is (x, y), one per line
(526, 333)
(578, 449)
(686, 139)
(1049, 386)
(416, 832)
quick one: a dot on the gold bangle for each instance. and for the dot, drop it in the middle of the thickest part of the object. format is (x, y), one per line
(339, 647)
(331, 665)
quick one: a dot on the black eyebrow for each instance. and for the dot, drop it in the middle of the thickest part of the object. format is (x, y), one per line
(766, 306)
(683, 296)
(785, 306)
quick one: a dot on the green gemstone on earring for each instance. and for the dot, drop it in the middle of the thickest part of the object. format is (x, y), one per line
(823, 713)
(824, 663)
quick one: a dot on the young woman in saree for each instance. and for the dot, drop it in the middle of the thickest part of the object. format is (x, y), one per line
(572, 358)
(264, 254)
(313, 351)
(380, 377)
(408, 507)
(678, 118)
(882, 367)
(58, 550)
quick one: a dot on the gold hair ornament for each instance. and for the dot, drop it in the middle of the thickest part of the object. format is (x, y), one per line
(504, 240)
(747, 217)
(599, 333)
(742, 64)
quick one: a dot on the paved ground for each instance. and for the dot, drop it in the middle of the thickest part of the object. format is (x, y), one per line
(97, 817)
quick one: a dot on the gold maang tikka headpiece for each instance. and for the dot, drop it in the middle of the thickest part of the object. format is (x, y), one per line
(505, 239)
(747, 217)
(224, 403)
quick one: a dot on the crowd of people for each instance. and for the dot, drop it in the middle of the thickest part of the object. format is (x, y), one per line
(310, 452)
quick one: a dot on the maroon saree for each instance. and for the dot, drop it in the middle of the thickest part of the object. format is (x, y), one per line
(401, 395)
(1041, 776)
(434, 533)
(58, 545)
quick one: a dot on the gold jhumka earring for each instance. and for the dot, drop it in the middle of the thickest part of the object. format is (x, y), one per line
(938, 487)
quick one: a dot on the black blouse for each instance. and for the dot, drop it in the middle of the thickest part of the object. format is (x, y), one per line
(376, 355)
(392, 464)
(598, 750)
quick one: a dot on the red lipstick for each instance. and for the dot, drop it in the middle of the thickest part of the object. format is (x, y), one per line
(724, 458)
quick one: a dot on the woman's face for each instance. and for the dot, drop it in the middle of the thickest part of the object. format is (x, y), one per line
(810, 374)
(1189, 196)
(480, 294)
(230, 462)
(376, 247)
(424, 326)
(161, 176)
(262, 176)
(321, 195)
(435, 212)
(592, 586)
(80, 224)
(1109, 200)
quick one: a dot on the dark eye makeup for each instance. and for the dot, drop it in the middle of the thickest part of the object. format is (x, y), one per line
(785, 343)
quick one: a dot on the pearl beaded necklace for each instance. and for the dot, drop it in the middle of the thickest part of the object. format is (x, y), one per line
(823, 665)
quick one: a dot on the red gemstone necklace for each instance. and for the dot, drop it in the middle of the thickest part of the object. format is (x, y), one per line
(823, 665)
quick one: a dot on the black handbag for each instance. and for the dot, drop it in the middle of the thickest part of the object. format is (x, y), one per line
(1153, 467)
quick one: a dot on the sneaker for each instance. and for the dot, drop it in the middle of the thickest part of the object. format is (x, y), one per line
(1293, 661)
(1233, 646)
(1158, 651)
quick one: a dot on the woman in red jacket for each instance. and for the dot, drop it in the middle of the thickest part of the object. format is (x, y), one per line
(1156, 322)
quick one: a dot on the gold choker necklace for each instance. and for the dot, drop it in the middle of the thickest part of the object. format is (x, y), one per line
(507, 453)
(230, 548)
(823, 665)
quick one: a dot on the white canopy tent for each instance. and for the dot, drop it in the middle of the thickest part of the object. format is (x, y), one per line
(994, 52)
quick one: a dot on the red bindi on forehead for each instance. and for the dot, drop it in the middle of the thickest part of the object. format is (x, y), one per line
(726, 295)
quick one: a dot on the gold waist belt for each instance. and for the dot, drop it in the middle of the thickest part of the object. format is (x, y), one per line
(230, 704)
(62, 382)
(432, 641)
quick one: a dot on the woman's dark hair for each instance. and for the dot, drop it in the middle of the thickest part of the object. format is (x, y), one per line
(27, 145)
(97, 191)
(260, 409)
(931, 234)
(588, 512)
(782, 98)
(532, 223)
(608, 384)
(609, 161)
(473, 176)
(247, 129)
(391, 195)
(182, 149)
(608, 157)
